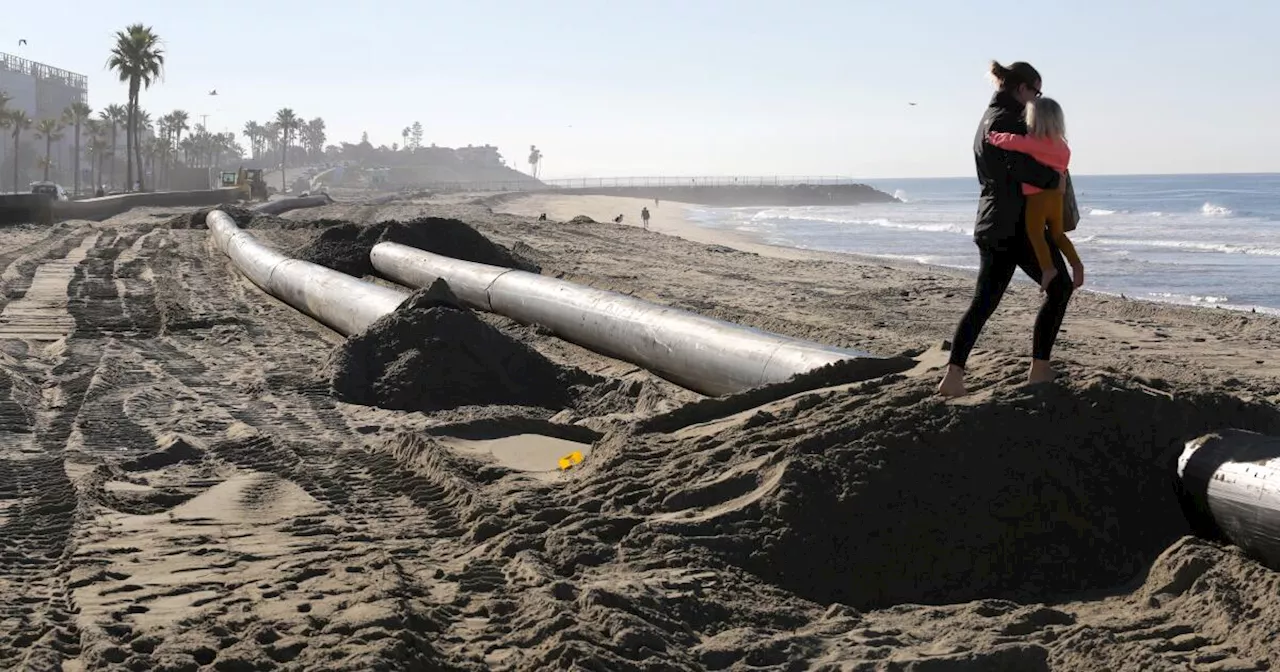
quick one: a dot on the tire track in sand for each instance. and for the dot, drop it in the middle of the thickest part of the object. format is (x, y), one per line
(37, 501)
(294, 544)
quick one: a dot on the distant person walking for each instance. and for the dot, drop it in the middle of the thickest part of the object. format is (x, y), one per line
(1000, 231)
(644, 217)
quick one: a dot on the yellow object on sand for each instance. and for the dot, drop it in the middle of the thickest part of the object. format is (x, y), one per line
(569, 460)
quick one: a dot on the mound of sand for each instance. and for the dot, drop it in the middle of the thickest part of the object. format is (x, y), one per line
(723, 543)
(345, 246)
(891, 496)
(196, 220)
(245, 218)
(433, 354)
(583, 219)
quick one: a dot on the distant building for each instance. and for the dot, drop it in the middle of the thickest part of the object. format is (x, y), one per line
(42, 91)
(481, 156)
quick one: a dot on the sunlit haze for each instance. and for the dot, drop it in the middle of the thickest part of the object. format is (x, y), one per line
(699, 87)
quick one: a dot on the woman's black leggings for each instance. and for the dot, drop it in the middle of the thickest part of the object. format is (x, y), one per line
(993, 279)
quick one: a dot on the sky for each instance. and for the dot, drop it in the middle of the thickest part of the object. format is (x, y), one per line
(709, 87)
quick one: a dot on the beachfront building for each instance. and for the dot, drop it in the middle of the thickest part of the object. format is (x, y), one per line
(42, 92)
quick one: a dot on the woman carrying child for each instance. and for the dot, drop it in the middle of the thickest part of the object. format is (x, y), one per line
(1003, 234)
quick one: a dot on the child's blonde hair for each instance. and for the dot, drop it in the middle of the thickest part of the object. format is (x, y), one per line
(1045, 119)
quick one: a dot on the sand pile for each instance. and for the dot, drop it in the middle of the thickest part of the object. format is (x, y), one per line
(889, 496)
(196, 220)
(433, 354)
(1227, 594)
(345, 246)
(723, 543)
(244, 217)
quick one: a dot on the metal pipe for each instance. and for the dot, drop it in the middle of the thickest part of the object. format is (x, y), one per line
(469, 281)
(381, 200)
(1230, 482)
(283, 205)
(110, 206)
(706, 355)
(345, 304)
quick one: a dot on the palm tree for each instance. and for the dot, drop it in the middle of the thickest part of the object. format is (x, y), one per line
(304, 137)
(148, 165)
(162, 148)
(76, 115)
(271, 137)
(138, 60)
(223, 143)
(19, 121)
(188, 147)
(98, 149)
(316, 126)
(4, 119)
(535, 157)
(143, 121)
(114, 115)
(288, 122)
(141, 125)
(178, 121)
(164, 131)
(255, 133)
(49, 130)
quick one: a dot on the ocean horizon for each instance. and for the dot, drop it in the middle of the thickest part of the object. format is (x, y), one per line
(1201, 240)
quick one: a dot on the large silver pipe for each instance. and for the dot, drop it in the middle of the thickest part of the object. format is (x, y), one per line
(110, 206)
(706, 355)
(469, 281)
(1230, 482)
(283, 205)
(345, 304)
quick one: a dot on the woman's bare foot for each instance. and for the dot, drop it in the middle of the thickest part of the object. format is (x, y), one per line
(1047, 277)
(1040, 372)
(952, 384)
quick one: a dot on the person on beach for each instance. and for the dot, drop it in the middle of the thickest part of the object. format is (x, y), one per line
(1000, 231)
(644, 217)
(1046, 142)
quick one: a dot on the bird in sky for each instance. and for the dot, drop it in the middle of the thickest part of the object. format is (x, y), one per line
(912, 104)
(21, 42)
(213, 92)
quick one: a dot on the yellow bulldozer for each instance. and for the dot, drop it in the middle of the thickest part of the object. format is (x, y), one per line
(248, 181)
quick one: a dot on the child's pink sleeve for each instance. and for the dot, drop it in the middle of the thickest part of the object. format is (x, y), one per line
(1018, 143)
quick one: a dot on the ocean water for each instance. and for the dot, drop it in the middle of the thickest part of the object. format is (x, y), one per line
(1206, 240)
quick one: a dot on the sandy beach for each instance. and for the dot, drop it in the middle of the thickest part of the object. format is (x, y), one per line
(194, 476)
(668, 218)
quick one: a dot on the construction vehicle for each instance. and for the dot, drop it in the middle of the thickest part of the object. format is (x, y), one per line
(248, 180)
(378, 176)
(51, 189)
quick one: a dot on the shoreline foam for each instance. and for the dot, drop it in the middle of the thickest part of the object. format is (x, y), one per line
(683, 225)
